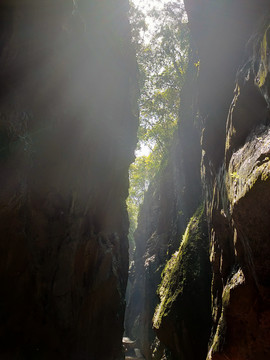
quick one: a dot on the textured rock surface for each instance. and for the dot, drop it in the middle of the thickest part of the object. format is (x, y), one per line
(185, 300)
(67, 132)
(168, 206)
(153, 236)
(231, 101)
(235, 171)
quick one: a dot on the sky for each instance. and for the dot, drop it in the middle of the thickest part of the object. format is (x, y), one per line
(150, 3)
(146, 5)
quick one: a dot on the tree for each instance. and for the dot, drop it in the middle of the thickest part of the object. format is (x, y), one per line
(161, 40)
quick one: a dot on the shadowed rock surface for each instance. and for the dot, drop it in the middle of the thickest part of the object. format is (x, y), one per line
(68, 131)
(236, 183)
(229, 108)
(68, 123)
(165, 213)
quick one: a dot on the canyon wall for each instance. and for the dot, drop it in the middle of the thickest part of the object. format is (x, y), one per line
(234, 104)
(68, 122)
(168, 206)
(214, 299)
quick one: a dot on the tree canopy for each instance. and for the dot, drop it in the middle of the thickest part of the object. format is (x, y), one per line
(161, 40)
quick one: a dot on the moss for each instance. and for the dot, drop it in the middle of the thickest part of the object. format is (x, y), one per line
(237, 279)
(180, 269)
(248, 167)
(263, 69)
(226, 297)
(219, 337)
(185, 288)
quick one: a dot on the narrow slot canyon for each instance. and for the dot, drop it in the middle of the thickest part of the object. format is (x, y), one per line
(134, 180)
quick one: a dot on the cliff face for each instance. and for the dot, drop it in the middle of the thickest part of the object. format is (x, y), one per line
(230, 109)
(235, 170)
(67, 131)
(182, 319)
(165, 213)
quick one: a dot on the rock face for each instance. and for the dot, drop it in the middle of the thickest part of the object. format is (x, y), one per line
(67, 133)
(235, 177)
(168, 206)
(230, 109)
(185, 301)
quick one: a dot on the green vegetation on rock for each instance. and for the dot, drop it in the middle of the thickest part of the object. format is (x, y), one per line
(237, 279)
(185, 289)
(181, 268)
(161, 41)
(263, 69)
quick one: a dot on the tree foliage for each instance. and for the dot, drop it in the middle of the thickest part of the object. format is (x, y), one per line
(161, 40)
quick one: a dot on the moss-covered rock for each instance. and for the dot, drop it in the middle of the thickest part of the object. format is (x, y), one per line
(164, 215)
(182, 319)
(238, 209)
(249, 165)
(263, 71)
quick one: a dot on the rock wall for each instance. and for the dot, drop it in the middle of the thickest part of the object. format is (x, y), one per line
(67, 135)
(182, 319)
(234, 105)
(230, 110)
(169, 203)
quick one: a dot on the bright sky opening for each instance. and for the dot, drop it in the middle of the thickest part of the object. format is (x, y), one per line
(145, 6)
